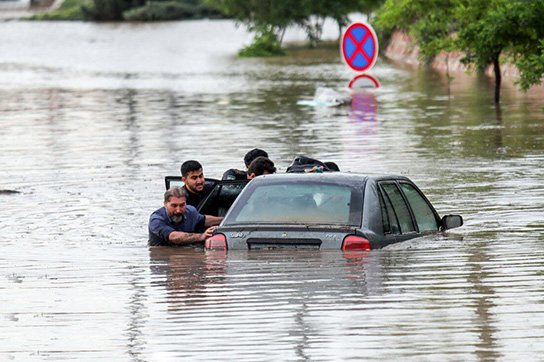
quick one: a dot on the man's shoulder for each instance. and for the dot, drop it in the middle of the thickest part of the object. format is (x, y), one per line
(191, 213)
(191, 209)
(159, 213)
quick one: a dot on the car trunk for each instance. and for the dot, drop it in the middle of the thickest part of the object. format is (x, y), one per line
(286, 237)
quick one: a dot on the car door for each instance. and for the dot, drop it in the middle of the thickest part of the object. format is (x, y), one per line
(221, 197)
(177, 181)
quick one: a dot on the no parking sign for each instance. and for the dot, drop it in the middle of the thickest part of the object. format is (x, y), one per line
(359, 47)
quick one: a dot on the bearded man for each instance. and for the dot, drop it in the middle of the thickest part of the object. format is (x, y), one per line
(175, 222)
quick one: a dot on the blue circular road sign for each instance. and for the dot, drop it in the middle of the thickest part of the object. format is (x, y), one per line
(359, 47)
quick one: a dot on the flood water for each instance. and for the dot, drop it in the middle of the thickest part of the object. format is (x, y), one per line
(92, 117)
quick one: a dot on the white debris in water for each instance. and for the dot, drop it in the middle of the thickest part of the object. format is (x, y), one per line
(326, 97)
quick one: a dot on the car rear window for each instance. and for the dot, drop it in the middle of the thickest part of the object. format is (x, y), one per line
(301, 203)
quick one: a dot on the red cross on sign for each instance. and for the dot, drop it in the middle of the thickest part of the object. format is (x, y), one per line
(359, 47)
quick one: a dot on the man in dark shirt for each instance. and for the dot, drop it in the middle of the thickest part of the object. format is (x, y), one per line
(234, 174)
(175, 223)
(195, 185)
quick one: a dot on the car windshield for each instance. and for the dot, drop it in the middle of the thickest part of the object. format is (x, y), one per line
(300, 203)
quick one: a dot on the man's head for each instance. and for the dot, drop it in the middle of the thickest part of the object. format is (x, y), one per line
(260, 166)
(175, 202)
(253, 154)
(193, 176)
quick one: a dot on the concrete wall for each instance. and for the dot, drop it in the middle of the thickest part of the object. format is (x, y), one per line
(403, 48)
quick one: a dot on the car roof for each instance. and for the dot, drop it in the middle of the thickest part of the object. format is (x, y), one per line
(334, 177)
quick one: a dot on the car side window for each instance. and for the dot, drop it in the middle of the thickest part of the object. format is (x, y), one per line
(400, 207)
(389, 219)
(423, 212)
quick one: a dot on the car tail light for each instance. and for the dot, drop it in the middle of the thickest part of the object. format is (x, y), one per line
(354, 243)
(217, 241)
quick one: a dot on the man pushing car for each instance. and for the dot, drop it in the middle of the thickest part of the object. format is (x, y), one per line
(176, 222)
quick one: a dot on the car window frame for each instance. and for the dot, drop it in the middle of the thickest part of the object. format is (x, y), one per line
(429, 204)
(408, 206)
(385, 205)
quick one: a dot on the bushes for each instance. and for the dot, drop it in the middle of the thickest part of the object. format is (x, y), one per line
(131, 10)
(142, 10)
(69, 10)
(266, 44)
(158, 10)
(110, 10)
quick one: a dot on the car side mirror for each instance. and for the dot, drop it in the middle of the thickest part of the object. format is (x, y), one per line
(451, 221)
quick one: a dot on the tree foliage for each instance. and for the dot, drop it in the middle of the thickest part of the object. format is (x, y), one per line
(485, 31)
(262, 16)
(276, 15)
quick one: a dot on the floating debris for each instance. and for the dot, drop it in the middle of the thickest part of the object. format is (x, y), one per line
(326, 97)
(9, 192)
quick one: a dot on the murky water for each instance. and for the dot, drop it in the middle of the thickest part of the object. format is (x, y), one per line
(94, 116)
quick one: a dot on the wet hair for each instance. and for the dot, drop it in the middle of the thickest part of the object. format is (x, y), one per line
(260, 165)
(332, 166)
(190, 166)
(253, 154)
(175, 191)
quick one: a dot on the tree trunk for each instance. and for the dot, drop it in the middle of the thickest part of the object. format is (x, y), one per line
(282, 34)
(498, 78)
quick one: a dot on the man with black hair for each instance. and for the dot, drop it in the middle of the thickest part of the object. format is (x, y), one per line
(195, 185)
(176, 222)
(234, 174)
(260, 166)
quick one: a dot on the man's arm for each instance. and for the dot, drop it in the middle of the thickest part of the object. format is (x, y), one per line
(212, 220)
(181, 238)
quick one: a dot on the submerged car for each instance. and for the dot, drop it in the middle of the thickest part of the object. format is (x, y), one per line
(337, 210)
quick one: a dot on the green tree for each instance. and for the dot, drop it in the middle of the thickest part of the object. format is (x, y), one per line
(274, 16)
(317, 11)
(510, 29)
(485, 31)
(340, 10)
(430, 22)
(263, 16)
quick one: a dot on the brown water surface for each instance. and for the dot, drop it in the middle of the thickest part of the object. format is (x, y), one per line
(92, 117)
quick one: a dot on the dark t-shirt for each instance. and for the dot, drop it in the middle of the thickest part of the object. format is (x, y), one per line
(234, 174)
(194, 199)
(160, 225)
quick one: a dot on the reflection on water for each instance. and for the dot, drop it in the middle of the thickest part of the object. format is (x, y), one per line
(92, 117)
